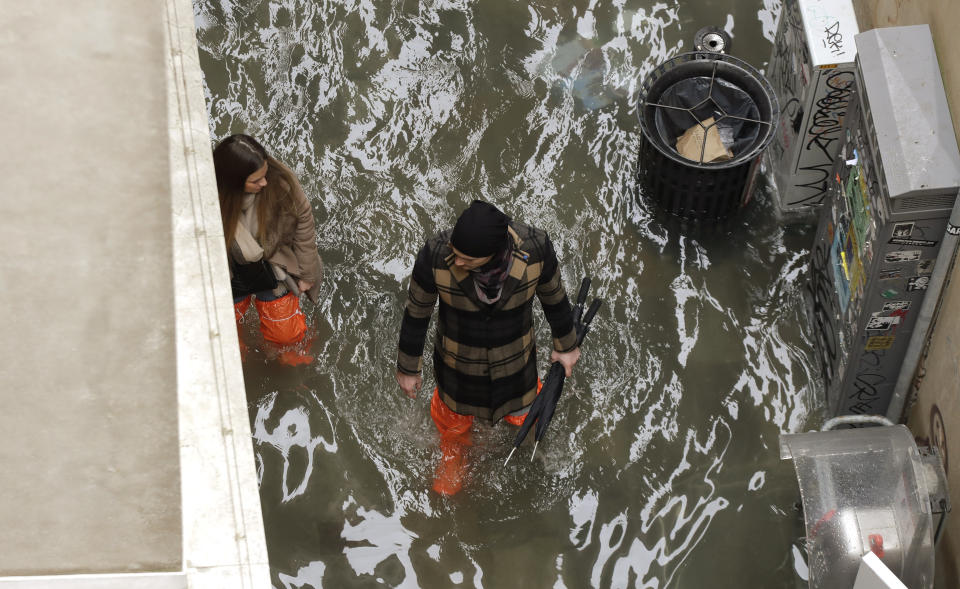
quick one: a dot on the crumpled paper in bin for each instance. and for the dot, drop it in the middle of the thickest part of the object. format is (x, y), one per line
(691, 142)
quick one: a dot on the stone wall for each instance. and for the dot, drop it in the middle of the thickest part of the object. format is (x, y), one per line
(88, 432)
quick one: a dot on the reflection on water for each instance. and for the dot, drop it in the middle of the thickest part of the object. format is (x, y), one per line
(661, 467)
(291, 432)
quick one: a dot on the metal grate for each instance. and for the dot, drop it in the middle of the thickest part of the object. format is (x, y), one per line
(935, 202)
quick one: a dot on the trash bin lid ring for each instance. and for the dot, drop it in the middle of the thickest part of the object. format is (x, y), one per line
(750, 83)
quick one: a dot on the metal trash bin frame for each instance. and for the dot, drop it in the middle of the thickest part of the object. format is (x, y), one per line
(702, 190)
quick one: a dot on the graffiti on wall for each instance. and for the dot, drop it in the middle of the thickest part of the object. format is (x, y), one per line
(938, 435)
(821, 139)
(825, 327)
(865, 397)
(815, 83)
(787, 63)
(833, 39)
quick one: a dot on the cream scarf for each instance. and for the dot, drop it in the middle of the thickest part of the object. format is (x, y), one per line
(248, 249)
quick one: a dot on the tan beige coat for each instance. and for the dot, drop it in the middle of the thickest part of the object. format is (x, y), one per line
(292, 242)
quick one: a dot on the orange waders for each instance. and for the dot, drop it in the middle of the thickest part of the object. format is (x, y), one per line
(454, 430)
(239, 310)
(282, 324)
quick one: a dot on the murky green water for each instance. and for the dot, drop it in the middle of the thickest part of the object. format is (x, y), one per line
(661, 467)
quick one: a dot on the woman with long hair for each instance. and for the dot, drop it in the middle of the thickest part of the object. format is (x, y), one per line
(269, 231)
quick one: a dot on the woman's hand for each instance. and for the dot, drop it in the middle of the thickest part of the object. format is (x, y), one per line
(304, 286)
(568, 359)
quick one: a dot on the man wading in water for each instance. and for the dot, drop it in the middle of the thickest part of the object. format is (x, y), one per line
(485, 271)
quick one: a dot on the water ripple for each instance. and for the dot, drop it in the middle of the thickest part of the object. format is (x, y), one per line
(395, 115)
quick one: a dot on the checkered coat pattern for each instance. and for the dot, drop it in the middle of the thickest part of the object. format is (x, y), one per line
(485, 356)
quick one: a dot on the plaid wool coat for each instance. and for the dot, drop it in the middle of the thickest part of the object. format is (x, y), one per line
(485, 356)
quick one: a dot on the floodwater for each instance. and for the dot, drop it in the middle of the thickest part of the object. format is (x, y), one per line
(661, 467)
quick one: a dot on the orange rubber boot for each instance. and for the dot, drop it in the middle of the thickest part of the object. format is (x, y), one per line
(297, 353)
(239, 310)
(454, 432)
(282, 323)
(519, 419)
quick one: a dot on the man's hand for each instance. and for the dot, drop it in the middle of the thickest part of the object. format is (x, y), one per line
(568, 359)
(304, 286)
(409, 383)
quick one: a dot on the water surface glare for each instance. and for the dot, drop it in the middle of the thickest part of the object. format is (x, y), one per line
(661, 467)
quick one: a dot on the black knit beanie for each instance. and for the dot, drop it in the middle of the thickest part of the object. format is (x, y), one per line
(480, 231)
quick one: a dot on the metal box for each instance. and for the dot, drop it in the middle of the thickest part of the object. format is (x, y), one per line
(891, 193)
(864, 490)
(812, 72)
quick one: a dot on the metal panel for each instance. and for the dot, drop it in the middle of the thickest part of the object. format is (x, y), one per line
(830, 27)
(904, 96)
(812, 72)
(874, 251)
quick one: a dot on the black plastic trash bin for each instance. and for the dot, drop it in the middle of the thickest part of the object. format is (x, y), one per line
(677, 102)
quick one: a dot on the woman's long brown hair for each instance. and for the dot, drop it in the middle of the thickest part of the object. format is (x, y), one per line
(234, 159)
